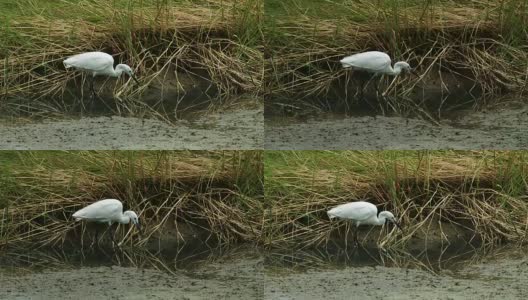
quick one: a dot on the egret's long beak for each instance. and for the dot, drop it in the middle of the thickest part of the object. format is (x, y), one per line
(138, 226)
(414, 73)
(135, 79)
(397, 225)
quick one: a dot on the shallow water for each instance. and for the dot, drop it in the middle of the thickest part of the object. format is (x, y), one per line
(239, 129)
(466, 273)
(500, 128)
(185, 273)
(245, 272)
(449, 257)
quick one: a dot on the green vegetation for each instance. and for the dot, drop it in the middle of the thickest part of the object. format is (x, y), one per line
(464, 52)
(174, 47)
(218, 192)
(482, 192)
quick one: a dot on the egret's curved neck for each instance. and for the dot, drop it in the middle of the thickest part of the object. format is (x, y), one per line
(381, 219)
(124, 219)
(116, 72)
(396, 70)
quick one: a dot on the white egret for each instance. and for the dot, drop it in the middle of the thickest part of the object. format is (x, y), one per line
(107, 211)
(361, 213)
(375, 62)
(97, 63)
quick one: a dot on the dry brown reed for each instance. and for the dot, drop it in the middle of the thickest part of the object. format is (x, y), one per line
(167, 47)
(440, 198)
(217, 194)
(464, 41)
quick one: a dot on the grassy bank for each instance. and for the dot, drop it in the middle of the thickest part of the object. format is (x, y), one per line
(475, 196)
(216, 193)
(186, 53)
(480, 193)
(465, 52)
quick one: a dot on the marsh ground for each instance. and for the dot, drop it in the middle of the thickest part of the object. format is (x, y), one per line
(199, 65)
(456, 48)
(233, 275)
(494, 128)
(248, 273)
(240, 129)
(502, 276)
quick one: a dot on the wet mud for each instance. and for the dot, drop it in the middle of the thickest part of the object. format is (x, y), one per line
(500, 276)
(232, 129)
(460, 272)
(500, 128)
(235, 276)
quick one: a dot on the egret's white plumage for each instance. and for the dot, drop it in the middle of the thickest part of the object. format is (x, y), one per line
(107, 211)
(374, 62)
(361, 213)
(98, 63)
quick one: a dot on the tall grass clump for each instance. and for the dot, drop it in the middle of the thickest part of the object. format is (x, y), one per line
(180, 50)
(440, 196)
(215, 194)
(465, 52)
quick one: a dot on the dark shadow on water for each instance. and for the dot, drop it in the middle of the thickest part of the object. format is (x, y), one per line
(184, 258)
(163, 98)
(450, 257)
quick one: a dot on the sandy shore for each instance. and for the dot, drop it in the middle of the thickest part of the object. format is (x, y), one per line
(241, 279)
(241, 129)
(494, 278)
(497, 129)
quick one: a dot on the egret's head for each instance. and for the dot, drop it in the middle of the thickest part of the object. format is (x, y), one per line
(389, 217)
(404, 66)
(127, 70)
(134, 219)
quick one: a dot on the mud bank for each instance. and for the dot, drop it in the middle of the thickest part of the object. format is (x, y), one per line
(241, 129)
(226, 279)
(495, 129)
(500, 277)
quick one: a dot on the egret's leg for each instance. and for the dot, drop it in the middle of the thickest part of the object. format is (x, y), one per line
(346, 235)
(356, 242)
(346, 88)
(112, 233)
(92, 100)
(96, 237)
(362, 90)
(378, 85)
(382, 95)
(92, 89)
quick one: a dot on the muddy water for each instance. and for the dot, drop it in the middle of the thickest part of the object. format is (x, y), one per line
(207, 274)
(367, 274)
(500, 128)
(454, 272)
(234, 129)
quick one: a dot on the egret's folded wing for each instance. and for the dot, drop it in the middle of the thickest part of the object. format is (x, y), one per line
(100, 210)
(379, 64)
(91, 61)
(354, 210)
(373, 61)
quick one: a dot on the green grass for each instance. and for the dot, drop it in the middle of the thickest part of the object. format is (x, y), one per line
(79, 9)
(313, 8)
(510, 168)
(24, 167)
